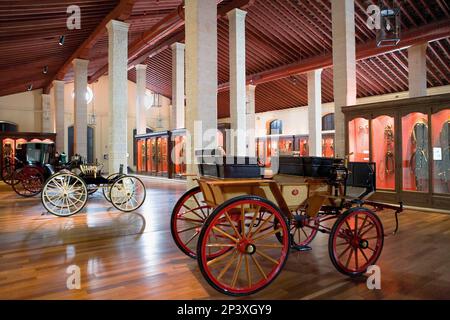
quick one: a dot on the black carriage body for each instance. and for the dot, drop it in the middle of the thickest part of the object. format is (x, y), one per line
(37, 154)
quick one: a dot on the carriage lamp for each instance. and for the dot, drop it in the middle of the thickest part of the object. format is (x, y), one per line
(389, 32)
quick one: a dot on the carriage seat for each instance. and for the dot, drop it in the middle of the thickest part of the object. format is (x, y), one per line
(91, 169)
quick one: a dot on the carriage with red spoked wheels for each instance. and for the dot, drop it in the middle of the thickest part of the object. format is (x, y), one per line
(241, 226)
(34, 163)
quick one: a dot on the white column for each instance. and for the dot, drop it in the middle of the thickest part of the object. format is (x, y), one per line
(201, 77)
(344, 66)
(236, 19)
(141, 120)
(59, 115)
(315, 112)
(80, 120)
(417, 65)
(177, 116)
(46, 114)
(118, 94)
(251, 121)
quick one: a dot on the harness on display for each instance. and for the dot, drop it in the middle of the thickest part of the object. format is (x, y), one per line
(419, 156)
(389, 157)
(443, 166)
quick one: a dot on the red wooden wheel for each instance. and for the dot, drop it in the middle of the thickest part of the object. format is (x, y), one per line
(188, 217)
(356, 241)
(28, 181)
(255, 255)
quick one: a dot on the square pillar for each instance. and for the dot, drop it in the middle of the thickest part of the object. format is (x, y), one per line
(118, 94)
(201, 78)
(80, 119)
(47, 125)
(59, 115)
(344, 66)
(177, 116)
(417, 65)
(141, 119)
(315, 112)
(236, 18)
(251, 120)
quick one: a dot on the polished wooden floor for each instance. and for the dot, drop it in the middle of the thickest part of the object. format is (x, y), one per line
(132, 256)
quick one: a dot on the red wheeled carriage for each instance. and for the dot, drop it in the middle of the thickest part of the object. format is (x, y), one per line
(33, 165)
(241, 230)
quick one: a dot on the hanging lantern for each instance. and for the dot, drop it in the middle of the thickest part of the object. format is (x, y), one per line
(389, 32)
(156, 102)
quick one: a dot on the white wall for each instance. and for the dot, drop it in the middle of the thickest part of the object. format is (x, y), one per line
(295, 120)
(24, 109)
(100, 106)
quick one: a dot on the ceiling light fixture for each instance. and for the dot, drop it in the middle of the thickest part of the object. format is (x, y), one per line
(30, 87)
(61, 40)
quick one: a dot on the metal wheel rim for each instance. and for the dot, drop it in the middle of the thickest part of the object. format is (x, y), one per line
(127, 193)
(64, 194)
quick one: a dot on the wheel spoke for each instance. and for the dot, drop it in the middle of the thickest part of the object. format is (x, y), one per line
(262, 254)
(349, 258)
(220, 258)
(236, 271)
(266, 235)
(364, 255)
(232, 225)
(192, 238)
(225, 234)
(227, 266)
(253, 220)
(258, 266)
(249, 274)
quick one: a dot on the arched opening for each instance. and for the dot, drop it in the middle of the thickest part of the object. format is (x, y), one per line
(7, 126)
(328, 122)
(275, 127)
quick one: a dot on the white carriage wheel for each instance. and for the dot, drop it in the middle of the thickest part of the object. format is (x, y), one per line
(64, 194)
(127, 193)
(107, 189)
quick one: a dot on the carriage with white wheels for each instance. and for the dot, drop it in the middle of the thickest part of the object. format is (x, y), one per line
(241, 227)
(66, 193)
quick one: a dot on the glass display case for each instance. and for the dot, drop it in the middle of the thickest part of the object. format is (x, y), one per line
(440, 139)
(285, 146)
(408, 140)
(415, 152)
(383, 151)
(178, 154)
(328, 145)
(302, 145)
(358, 140)
(141, 152)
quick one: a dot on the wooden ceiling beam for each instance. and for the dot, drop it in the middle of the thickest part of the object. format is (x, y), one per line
(431, 32)
(121, 12)
(170, 24)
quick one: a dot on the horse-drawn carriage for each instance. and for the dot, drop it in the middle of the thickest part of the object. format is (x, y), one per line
(32, 165)
(66, 193)
(240, 227)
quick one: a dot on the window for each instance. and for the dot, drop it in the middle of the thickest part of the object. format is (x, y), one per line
(276, 127)
(90, 143)
(328, 122)
(6, 126)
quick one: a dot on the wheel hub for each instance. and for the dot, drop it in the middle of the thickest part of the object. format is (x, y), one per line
(363, 244)
(245, 247)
